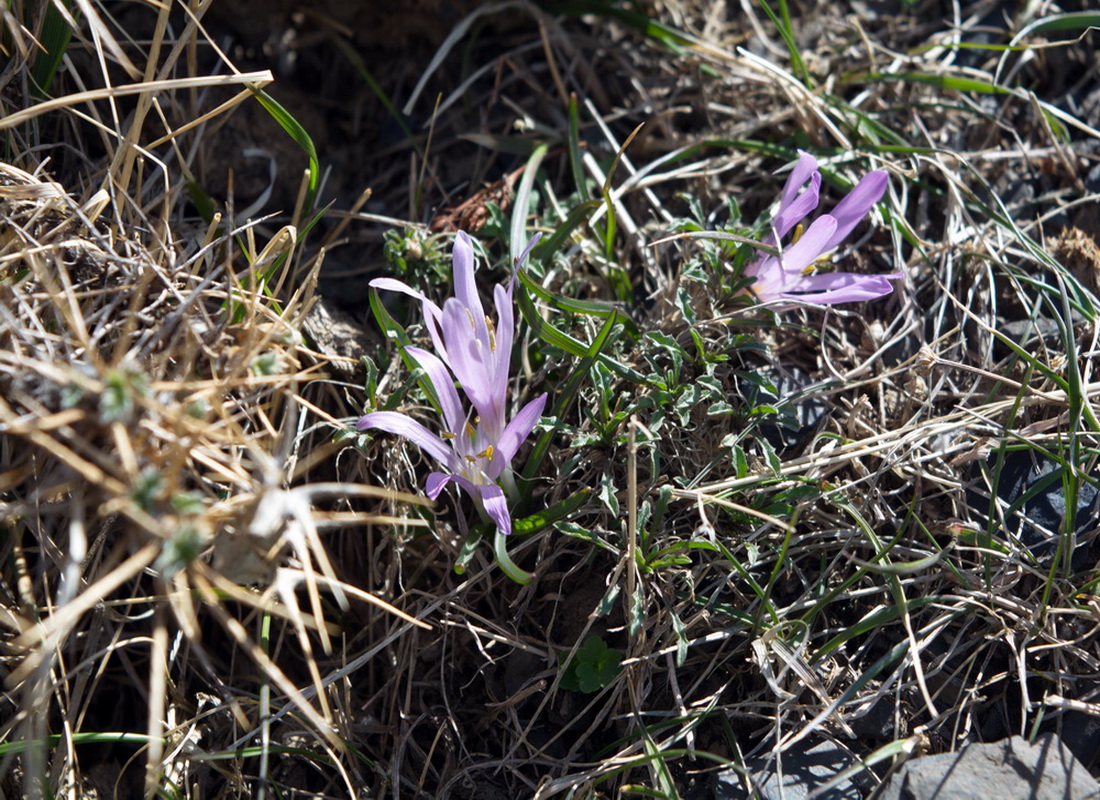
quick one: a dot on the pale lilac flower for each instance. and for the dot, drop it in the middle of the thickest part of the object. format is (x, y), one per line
(477, 445)
(790, 276)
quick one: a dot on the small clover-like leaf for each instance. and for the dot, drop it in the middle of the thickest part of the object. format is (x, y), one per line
(594, 666)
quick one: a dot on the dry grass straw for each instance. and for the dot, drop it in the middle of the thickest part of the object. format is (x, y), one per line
(151, 407)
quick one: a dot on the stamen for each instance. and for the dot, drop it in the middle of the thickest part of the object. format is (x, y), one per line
(486, 453)
(799, 229)
(817, 265)
(492, 334)
(447, 436)
(471, 431)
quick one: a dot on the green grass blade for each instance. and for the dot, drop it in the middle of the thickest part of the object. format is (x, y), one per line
(568, 394)
(360, 66)
(289, 124)
(573, 139)
(563, 341)
(591, 308)
(55, 37)
(518, 239)
(782, 24)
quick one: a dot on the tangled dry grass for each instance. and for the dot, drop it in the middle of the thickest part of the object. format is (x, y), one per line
(838, 524)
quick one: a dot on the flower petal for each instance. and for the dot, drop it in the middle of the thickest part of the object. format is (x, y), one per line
(500, 357)
(794, 212)
(769, 278)
(467, 361)
(435, 483)
(462, 266)
(527, 250)
(488, 495)
(803, 169)
(518, 430)
(433, 315)
(856, 204)
(407, 427)
(842, 287)
(496, 506)
(453, 414)
(394, 285)
(809, 248)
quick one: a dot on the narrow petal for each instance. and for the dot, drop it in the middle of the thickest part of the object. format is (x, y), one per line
(496, 506)
(770, 278)
(435, 483)
(518, 430)
(437, 480)
(794, 212)
(800, 173)
(465, 358)
(407, 427)
(842, 287)
(809, 248)
(506, 321)
(489, 495)
(473, 489)
(453, 413)
(856, 204)
(500, 359)
(760, 267)
(394, 285)
(462, 265)
(433, 315)
(462, 261)
(527, 250)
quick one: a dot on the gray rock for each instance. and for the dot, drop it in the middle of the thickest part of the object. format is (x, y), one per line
(1034, 482)
(794, 778)
(1011, 769)
(797, 414)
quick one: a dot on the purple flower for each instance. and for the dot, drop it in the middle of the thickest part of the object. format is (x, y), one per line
(790, 276)
(477, 445)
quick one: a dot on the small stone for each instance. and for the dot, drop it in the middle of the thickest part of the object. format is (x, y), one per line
(1027, 476)
(1011, 769)
(799, 773)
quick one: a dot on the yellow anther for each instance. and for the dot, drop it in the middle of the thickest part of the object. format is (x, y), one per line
(492, 334)
(799, 229)
(447, 436)
(817, 265)
(486, 453)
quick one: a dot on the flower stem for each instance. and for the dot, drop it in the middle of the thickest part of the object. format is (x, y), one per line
(505, 562)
